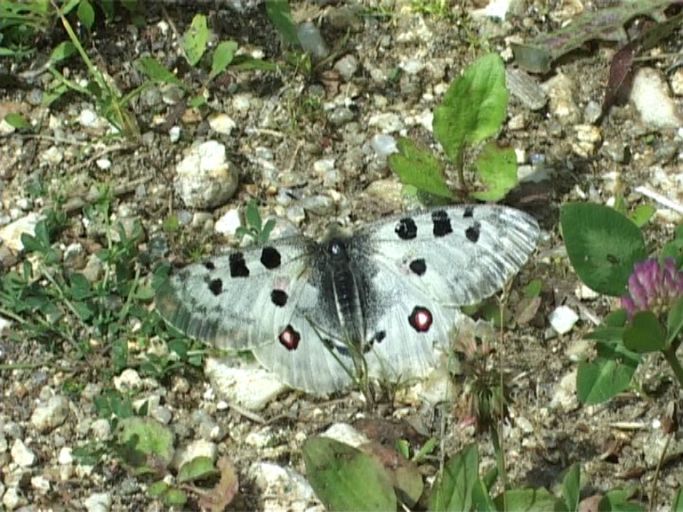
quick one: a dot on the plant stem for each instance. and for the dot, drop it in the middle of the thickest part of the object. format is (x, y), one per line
(670, 356)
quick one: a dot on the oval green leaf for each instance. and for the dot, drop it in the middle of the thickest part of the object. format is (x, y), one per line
(344, 478)
(602, 245)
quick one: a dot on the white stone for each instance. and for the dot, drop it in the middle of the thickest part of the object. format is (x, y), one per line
(677, 82)
(101, 429)
(413, 65)
(4, 324)
(345, 433)
(562, 319)
(222, 123)
(583, 292)
(251, 388)
(386, 122)
(228, 223)
(22, 455)
(98, 502)
(347, 66)
(260, 438)
(564, 398)
(323, 165)
(196, 448)
(174, 134)
(89, 119)
(6, 128)
(128, 380)
(561, 103)
(383, 144)
(40, 484)
(12, 499)
(495, 9)
(52, 155)
(65, 456)
(103, 163)
(650, 95)
(10, 235)
(205, 178)
(282, 487)
(51, 414)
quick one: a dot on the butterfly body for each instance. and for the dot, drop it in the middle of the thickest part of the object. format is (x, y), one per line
(388, 293)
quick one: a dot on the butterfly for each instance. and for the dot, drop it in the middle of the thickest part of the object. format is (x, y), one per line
(387, 294)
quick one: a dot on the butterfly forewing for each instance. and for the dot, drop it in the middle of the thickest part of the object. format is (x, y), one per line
(458, 255)
(239, 300)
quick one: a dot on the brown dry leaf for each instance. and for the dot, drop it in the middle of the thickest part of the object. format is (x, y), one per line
(218, 498)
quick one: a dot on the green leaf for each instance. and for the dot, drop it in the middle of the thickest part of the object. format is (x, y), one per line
(175, 498)
(616, 500)
(603, 378)
(497, 169)
(645, 333)
(642, 214)
(156, 71)
(86, 14)
(420, 168)
(528, 500)
(602, 245)
(197, 101)
(281, 17)
(677, 504)
(222, 57)
(481, 499)
(571, 487)
(453, 489)
(62, 51)
(674, 248)
(18, 121)
(198, 468)
(195, 39)
(474, 106)
(533, 289)
(674, 320)
(145, 441)
(344, 478)
(157, 489)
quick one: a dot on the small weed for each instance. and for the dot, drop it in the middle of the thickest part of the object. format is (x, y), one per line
(471, 112)
(254, 226)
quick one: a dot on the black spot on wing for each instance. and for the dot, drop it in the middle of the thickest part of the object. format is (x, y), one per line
(442, 224)
(472, 233)
(279, 297)
(216, 286)
(406, 229)
(238, 267)
(418, 266)
(209, 265)
(270, 258)
(469, 211)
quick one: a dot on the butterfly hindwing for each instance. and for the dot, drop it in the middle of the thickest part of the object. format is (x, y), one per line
(302, 359)
(239, 300)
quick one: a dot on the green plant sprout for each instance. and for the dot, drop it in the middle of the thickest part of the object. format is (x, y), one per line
(195, 43)
(472, 111)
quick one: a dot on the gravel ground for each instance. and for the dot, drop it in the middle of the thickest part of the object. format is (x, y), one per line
(312, 147)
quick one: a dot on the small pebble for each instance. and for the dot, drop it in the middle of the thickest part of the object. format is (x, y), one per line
(562, 319)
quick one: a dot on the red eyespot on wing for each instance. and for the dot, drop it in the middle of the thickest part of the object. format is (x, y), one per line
(420, 319)
(289, 338)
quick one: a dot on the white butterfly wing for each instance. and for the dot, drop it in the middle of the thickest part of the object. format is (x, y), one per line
(240, 300)
(309, 365)
(426, 264)
(458, 255)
